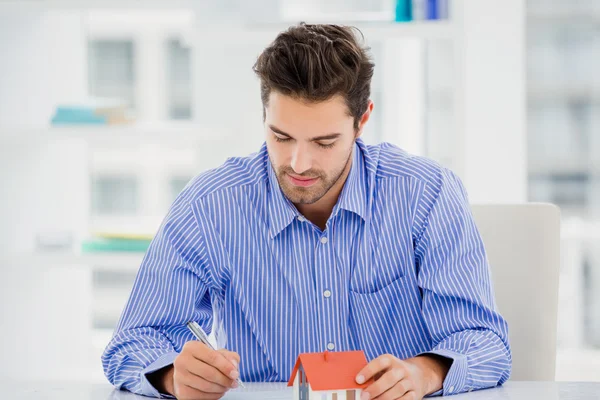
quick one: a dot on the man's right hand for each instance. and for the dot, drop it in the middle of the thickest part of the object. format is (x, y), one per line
(200, 373)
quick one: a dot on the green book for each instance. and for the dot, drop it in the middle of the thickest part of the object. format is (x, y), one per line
(97, 245)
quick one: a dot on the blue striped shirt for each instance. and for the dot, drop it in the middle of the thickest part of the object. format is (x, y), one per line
(400, 268)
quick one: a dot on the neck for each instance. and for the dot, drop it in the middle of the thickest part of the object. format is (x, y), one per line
(320, 211)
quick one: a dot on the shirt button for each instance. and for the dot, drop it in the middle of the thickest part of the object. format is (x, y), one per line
(301, 218)
(451, 389)
(324, 239)
(330, 346)
(327, 293)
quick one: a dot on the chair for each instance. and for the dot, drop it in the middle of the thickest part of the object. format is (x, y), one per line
(523, 247)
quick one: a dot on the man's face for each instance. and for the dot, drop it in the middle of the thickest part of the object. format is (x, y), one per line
(309, 144)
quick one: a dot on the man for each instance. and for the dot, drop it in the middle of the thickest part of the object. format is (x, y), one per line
(317, 242)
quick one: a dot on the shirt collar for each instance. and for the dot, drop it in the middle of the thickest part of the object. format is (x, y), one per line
(281, 210)
(354, 194)
(353, 197)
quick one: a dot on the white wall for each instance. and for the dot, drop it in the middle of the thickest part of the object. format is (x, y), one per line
(490, 99)
(39, 69)
(43, 183)
(46, 314)
(227, 91)
(46, 323)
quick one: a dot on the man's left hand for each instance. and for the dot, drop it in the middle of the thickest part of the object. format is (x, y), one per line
(410, 379)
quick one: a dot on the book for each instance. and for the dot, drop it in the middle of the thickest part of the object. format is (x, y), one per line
(403, 10)
(419, 8)
(97, 111)
(432, 11)
(99, 244)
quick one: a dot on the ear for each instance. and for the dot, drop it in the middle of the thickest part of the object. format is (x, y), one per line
(363, 120)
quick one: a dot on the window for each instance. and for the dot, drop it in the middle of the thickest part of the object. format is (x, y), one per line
(114, 195)
(564, 165)
(110, 293)
(179, 80)
(177, 184)
(111, 70)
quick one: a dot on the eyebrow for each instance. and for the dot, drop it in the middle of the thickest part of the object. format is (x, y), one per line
(324, 137)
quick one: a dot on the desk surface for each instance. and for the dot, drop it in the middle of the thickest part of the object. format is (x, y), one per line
(510, 391)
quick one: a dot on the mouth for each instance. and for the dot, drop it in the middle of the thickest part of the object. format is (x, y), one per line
(302, 182)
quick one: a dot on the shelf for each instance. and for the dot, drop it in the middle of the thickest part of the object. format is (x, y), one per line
(575, 92)
(99, 4)
(372, 31)
(394, 30)
(567, 16)
(374, 25)
(129, 262)
(135, 133)
(558, 167)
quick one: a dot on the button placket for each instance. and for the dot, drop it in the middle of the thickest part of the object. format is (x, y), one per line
(327, 303)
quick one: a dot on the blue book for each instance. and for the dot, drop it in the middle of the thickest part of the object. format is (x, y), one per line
(77, 115)
(432, 10)
(403, 10)
(443, 9)
(92, 110)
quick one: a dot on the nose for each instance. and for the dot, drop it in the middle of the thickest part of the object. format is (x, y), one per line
(301, 160)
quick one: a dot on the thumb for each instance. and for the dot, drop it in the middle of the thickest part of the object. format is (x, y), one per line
(231, 356)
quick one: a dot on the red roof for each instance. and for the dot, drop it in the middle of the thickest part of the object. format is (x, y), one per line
(331, 370)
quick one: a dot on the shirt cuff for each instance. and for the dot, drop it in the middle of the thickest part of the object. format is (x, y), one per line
(456, 379)
(146, 387)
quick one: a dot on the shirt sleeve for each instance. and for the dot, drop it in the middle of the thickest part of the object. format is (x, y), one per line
(171, 288)
(458, 300)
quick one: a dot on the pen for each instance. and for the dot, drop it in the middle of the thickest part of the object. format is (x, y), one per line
(203, 337)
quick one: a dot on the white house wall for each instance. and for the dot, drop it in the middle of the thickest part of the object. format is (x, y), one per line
(318, 394)
(297, 386)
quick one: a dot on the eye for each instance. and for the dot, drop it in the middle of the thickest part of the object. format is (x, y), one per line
(281, 139)
(326, 146)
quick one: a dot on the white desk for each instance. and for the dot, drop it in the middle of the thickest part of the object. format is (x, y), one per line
(265, 391)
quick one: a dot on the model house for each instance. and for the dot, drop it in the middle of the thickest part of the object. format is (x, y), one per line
(328, 376)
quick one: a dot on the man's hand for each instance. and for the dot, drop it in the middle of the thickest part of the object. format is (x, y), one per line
(200, 373)
(410, 379)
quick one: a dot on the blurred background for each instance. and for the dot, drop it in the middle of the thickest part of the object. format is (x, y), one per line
(108, 109)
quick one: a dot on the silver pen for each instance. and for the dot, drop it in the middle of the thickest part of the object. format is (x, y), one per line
(203, 337)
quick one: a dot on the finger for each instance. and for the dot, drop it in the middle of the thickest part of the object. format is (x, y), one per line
(387, 382)
(231, 356)
(199, 383)
(185, 392)
(210, 373)
(411, 395)
(398, 390)
(380, 364)
(217, 360)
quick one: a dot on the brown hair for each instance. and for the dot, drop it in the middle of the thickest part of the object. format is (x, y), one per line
(315, 63)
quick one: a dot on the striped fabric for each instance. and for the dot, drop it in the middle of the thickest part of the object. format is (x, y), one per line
(399, 269)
